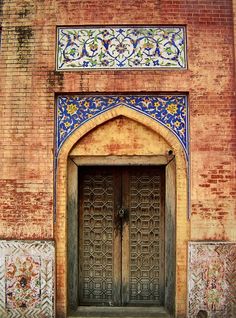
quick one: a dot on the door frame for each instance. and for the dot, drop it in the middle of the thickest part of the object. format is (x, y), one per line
(169, 219)
(121, 256)
(179, 165)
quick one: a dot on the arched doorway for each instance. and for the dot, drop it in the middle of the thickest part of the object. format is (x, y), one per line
(83, 152)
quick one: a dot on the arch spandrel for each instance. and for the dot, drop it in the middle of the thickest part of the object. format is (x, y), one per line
(170, 111)
(121, 110)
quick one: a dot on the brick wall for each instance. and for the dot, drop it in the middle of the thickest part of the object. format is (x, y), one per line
(28, 83)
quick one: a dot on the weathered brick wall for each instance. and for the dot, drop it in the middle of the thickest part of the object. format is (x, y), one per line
(28, 83)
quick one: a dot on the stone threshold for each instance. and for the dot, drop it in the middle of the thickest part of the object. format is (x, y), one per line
(116, 312)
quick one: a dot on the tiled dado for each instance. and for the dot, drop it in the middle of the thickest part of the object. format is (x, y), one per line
(136, 47)
(27, 279)
(212, 279)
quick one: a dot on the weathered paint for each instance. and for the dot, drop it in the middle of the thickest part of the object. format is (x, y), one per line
(121, 136)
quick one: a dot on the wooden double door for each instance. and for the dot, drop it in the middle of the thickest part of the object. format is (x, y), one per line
(121, 231)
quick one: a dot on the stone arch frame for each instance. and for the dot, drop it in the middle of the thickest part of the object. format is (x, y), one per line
(182, 224)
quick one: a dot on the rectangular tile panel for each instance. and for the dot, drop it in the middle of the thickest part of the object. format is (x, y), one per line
(212, 279)
(155, 47)
(27, 279)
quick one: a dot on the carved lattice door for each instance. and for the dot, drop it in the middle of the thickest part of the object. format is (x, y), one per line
(121, 252)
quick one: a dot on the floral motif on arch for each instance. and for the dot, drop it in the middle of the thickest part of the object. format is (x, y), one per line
(121, 47)
(169, 110)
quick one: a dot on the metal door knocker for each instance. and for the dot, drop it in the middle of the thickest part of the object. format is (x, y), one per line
(122, 213)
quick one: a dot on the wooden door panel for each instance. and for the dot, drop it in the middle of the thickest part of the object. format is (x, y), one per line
(99, 239)
(121, 258)
(146, 270)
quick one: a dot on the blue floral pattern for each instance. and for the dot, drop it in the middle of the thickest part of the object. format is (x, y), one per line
(121, 47)
(169, 110)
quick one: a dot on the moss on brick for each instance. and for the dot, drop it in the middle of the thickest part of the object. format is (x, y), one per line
(1, 9)
(25, 11)
(55, 79)
(24, 35)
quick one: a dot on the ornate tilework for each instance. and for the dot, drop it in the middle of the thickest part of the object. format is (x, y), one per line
(26, 279)
(121, 47)
(169, 110)
(212, 279)
(22, 281)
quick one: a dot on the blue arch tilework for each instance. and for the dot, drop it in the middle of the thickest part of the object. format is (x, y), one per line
(134, 47)
(170, 111)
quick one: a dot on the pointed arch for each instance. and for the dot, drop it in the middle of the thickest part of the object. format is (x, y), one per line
(182, 225)
(120, 110)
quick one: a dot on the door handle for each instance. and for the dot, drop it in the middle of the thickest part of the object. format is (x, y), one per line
(122, 213)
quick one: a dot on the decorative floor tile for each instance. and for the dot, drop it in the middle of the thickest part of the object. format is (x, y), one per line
(212, 279)
(80, 48)
(27, 279)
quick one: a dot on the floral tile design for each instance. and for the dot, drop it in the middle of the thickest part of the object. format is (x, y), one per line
(169, 110)
(27, 279)
(212, 279)
(22, 281)
(80, 48)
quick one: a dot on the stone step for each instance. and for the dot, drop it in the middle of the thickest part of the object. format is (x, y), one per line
(159, 315)
(117, 312)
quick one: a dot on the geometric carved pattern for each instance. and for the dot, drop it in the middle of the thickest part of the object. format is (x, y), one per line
(145, 237)
(26, 279)
(170, 111)
(212, 279)
(96, 239)
(83, 48)
(120, 259)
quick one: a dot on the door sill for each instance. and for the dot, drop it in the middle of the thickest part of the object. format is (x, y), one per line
(115, 312)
